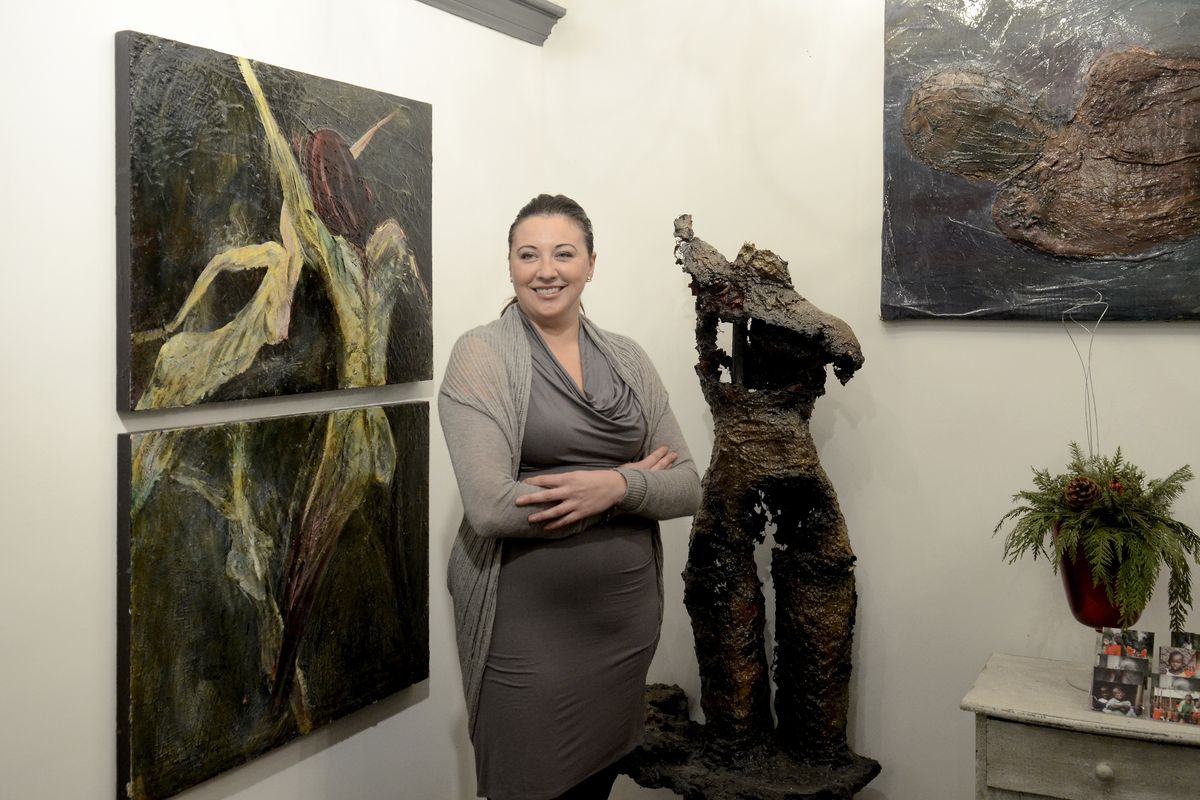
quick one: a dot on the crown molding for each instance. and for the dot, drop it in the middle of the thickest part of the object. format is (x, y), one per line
(527, 20)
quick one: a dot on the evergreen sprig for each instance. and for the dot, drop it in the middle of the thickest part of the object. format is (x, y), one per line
(1126, 536)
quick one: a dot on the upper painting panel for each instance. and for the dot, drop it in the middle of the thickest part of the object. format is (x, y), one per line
(1038, 151)
(273, 230)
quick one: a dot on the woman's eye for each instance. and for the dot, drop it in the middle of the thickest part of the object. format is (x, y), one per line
(527, 256)
(565, 255)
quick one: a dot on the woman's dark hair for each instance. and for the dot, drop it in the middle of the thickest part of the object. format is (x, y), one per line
(548, 205)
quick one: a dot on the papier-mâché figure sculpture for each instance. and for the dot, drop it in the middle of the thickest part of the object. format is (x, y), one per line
(764, 472)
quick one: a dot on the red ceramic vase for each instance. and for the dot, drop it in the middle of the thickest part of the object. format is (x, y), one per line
(1089, 604)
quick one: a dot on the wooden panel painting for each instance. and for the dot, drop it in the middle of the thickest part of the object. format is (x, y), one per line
(273, 577)
(1037, 152)
(273, 230)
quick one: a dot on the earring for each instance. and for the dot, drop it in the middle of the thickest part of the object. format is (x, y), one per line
(589, 279)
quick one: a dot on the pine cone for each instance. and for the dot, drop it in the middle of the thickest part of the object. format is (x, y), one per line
(1082, 492)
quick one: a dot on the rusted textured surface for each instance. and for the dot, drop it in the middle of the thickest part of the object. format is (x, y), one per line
(680, 755)
(1121, 177)
(764, 472)
(974, 123)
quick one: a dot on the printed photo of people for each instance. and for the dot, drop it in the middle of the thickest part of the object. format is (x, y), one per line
(1178, 662)
(1126, 649)
(1129, 663)
(1176, 700)
(1186, 640)
(1117, 691)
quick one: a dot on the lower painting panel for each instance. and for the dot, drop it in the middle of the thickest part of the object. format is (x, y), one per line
(273, 577)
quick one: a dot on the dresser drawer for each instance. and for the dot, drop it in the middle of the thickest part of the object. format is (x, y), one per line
(1084, 766)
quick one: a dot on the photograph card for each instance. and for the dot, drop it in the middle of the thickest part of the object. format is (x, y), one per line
(1118, 692)
(1128, 664)
(1118, 642)
(1185, 639)
(1178, 662)
(1175, 700)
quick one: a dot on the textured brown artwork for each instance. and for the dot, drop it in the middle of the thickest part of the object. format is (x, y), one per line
(1037, 152)
(765, 474)
(1121, 177)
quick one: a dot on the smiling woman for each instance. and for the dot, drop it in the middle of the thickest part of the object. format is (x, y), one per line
(566, 454)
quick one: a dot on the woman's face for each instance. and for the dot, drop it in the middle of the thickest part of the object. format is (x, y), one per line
(549, 264)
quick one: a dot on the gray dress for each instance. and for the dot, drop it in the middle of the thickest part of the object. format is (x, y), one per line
(576, 618)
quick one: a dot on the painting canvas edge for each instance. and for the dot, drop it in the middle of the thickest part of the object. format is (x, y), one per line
(124, 629)
(124, 256)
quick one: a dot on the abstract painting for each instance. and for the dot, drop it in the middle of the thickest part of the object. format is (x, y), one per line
(273, 230)
(1038, 153)
(273, 576)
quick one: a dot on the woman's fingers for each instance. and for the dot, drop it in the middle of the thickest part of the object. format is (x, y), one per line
(547, 481)
(539, 498)
(666, 462)
(551, 513)
(550, 483)
(650, 460)
(575, 495)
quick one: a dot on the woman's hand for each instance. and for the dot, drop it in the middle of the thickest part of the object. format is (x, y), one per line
(581, 494)
(576, 495)
(662, 458)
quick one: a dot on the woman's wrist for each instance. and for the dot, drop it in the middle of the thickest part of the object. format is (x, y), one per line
(620, 487)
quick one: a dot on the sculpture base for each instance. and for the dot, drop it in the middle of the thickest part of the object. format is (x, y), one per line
(678, 755)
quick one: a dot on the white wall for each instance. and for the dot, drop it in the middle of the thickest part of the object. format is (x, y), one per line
(760, 118)
(764, 120)
(58, 462)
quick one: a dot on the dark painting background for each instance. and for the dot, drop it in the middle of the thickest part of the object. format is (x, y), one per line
(942, 255)
(192, 689)
(194, 178)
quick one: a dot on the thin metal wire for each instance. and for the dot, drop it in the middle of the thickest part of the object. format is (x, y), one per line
(1091, 417)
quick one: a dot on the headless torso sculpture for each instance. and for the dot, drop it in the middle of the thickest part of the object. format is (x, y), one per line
(764, 470)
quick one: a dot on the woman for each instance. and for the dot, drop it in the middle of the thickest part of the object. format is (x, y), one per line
(566, 453)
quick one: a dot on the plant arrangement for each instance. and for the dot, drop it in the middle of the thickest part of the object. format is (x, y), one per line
(1104, 511)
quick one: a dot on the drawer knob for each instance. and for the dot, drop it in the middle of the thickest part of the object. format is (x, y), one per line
(1104, 772)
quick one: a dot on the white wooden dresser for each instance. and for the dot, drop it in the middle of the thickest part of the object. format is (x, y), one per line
(1036, 737)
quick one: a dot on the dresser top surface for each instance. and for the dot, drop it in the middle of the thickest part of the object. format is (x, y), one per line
(1056, 694)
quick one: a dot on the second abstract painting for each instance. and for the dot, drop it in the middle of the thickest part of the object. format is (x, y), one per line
(274, 577)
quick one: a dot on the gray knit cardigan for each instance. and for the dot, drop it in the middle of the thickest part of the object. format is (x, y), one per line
(483, 402)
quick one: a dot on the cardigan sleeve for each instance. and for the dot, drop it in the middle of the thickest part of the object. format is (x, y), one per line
(482, 461)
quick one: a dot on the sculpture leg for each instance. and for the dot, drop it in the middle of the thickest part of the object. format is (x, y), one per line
(725, 601)
(813, 570)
